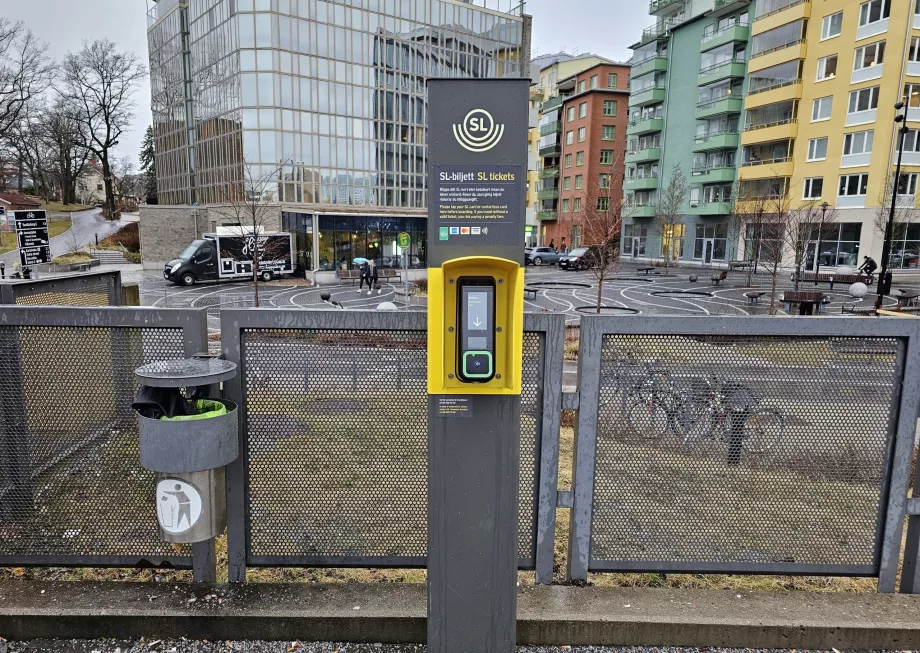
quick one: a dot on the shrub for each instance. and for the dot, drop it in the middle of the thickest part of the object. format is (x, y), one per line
(133, 257)
(422, 285)
(128, 237)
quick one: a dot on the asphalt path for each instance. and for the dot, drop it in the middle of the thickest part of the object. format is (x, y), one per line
(86, 226)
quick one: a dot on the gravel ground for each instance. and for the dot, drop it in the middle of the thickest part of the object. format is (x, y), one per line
(194, 646)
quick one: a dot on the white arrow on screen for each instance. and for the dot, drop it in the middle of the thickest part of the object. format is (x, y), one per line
(476, 322)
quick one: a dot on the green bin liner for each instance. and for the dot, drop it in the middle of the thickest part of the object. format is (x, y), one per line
(206, 408)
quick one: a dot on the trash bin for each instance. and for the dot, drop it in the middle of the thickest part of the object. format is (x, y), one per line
(188, 450)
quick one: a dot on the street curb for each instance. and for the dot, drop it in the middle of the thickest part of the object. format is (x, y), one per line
(395, 613)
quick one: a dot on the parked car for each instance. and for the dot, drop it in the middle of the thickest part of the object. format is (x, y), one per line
(541, 256)
(580, 258)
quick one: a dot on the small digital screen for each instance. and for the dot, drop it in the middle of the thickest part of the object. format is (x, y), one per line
(480, 344)
(477, 311)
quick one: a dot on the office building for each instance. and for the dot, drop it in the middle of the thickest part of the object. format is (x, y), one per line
(323, 103)
(791, 98)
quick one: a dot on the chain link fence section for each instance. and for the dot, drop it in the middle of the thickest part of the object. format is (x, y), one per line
(93, 289)
(337, 446)
(735, 453)
(72, 491)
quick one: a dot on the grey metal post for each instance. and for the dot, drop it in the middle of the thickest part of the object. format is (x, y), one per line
(204, 556)
(15, 449)
(589, 380)
(552, 366)
(236, 471)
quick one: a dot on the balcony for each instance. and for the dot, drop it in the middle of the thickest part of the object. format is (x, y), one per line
(551, 128)
(551, 150)
(724, 70)
(647, 96)
(725, 35)
(766, 169)
(549, 172)
(712, 175)
(641, 156)
(545, 215)
(548, 194)
(643, 127)
(652, 64)
(781, 130)
(776, 56)
(550, 104)
(795, 10)
(536, 92)
(657, 31)
(638, 211)
(648, 182)
(719, 106)
(727, 140)
(780, 92)
(728, 6)
(711, 208)
(657, 6)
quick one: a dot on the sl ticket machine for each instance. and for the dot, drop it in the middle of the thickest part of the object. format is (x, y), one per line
(476, 184)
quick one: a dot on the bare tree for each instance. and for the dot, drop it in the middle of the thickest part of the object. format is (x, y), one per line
(905, 214)
(806, 225)
(668, 212)
(25, 71)
(602, 223)
(64, 137)
(27, 138)
(251, 205)
(100, 83)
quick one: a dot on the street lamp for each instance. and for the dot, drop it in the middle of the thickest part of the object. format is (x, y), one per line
(824, 207)
(884, 279)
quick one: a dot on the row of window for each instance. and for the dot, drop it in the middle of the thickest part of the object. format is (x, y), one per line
(855, 185)
(860, 101)
(603, 181)
(608, 133)
(610, 109)
(611, 82)
(606, 158)
(603, 204)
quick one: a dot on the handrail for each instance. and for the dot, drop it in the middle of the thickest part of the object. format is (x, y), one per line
(633, 123)
(773, 86)
(719, 99)
(642, 61)
(702, 138)
(776, 123)
(705, 170)
(651, 175)
(795, 3)
(782, 159)
(778, 48)
(714, 35)
(705, 71)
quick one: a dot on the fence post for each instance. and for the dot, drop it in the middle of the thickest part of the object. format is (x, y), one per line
(195, 336)
(583, 458)
(551, 405)
(237, 506)
(15, 454)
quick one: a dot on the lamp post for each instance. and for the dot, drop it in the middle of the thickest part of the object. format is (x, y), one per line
(824, 207)
(884, 280)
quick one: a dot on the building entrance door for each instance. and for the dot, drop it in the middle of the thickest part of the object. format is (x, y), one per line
(708, 247)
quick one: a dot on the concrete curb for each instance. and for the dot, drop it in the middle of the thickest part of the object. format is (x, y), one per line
(393, 613)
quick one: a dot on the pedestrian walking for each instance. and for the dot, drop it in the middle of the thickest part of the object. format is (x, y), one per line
(374, 278)
(365, 277)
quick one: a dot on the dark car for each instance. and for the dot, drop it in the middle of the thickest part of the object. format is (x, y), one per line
(541, 256)
(580, 258)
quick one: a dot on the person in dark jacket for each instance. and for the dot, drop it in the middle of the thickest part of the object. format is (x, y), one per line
(869, 266)
(373, 279)
(365, 277)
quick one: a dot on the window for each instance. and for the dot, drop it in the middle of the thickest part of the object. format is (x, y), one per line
(813, 187)
(582, 109)
(717, 237)
(577, 204)
(603, 203)
(603, 180)
(593, 81)
(858, 143)
(634, 235)
(907, 183)
(611, 80)
(827, 67)
(869, 55)
(581, 134)
(839, 244)
(821, 108)
(578, 181)
(610, 108)
(566, 183)
(865, 99)
(913, 53)
(817, 149)
(579, 158)
(912, 95)
(570, 114)
(831, 25)
(777, 38)
(607, 157)
(773, 77)
(765, 7)
(568, 160)
(569, 137)
(873, 11)
(912, 141)
(905, 246)
(581, 86)
(853, 185)
(565, 205)
(608, 133)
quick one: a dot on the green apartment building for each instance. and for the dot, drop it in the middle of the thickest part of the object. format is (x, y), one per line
(685, 108)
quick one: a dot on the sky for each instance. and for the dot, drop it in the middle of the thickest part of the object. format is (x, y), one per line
(603, 27)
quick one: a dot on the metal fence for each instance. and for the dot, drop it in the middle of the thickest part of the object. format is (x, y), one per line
(344, 395)
(85, 289)
(750, 445)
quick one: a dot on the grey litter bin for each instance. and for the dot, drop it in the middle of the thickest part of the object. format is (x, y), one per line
(189, 456)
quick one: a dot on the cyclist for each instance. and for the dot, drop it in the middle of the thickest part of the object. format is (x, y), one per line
(868, 267)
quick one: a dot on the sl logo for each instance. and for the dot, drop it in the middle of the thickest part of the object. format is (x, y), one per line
(478, 132)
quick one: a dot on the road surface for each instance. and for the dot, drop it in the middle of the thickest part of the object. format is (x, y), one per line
(86, 224)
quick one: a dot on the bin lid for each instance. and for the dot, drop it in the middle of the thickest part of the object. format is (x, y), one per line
(185, 372)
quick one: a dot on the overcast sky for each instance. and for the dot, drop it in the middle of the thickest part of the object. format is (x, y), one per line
(604, 27)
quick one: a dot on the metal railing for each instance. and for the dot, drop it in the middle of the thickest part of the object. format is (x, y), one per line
(761, 162)
(633, 123)
(763, 89)
(657, 5)
(85, 289)
(549, 171)
(792, 3)
(778, 48)
(706, 103)
(550, 128)
(717, 33)
(705, 170)
(710, 69)
(705, 138)
(765, 125)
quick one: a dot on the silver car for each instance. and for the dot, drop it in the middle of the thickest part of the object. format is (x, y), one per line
(541, 256)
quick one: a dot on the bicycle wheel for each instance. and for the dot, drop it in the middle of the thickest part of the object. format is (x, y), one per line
(762, 431)
(648, 418)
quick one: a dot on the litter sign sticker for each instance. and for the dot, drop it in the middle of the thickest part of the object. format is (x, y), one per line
(178, 505)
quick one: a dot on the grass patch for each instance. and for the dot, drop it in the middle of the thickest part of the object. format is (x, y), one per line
(60, 207)
(125, 239)
(73, 257)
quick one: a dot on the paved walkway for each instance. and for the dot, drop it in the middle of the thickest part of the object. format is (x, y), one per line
(86, 226)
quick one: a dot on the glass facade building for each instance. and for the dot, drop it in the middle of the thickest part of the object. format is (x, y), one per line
(326, 100)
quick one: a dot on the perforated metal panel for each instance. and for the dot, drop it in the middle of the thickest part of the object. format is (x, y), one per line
(336, 425)
(72, 490)
(91, 290)
(733, 453)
